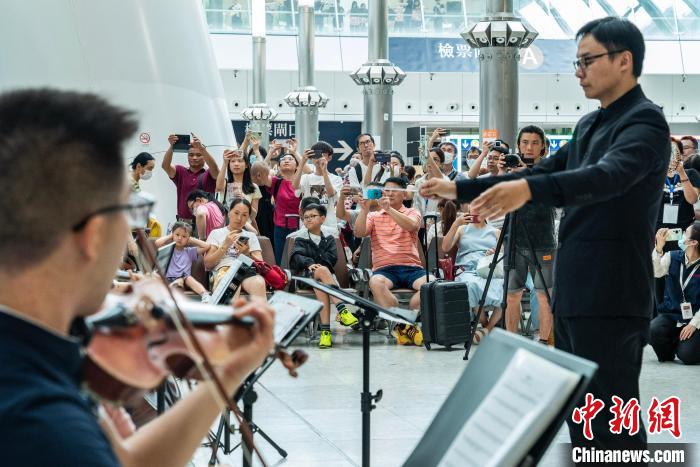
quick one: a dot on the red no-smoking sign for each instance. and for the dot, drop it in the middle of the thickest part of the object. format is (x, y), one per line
(145, 138)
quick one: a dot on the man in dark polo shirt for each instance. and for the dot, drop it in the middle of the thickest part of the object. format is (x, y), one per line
(608, 178)
(59, 249)
(194, 177)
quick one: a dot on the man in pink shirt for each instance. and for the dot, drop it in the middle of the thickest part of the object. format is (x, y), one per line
(395, 259)
(194, 177)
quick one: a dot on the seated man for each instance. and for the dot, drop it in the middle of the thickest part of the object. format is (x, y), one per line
(231, 241)
(314, 255)
(674, 330)
(395, 259)
(56, 266)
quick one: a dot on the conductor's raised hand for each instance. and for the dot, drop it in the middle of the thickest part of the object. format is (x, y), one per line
(439, 188)
(502, 198)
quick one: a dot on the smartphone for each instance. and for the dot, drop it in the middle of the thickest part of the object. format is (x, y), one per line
(673, 235)
(473, 218)
(382, 157)
(446, 133)
(255, 134)
(373, 193)
(317, 154)
(354, 189)
(243, 240)
(182, 144)
(282, 142)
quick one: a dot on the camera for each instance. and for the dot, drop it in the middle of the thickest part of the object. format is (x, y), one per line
(528, 162)
(497, 143)
(512, 161)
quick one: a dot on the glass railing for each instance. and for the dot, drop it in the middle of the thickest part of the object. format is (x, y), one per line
(655, 18)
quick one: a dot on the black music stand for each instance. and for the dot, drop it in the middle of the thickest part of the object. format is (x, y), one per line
(246, 392)
(475, 387)
(369, 312)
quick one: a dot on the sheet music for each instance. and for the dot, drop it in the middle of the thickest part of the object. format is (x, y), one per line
(286, 317)
(519, 408)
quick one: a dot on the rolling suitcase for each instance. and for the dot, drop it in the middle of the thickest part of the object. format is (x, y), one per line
(444, 307)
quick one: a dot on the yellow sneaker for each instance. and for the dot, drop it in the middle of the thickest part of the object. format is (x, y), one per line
(346, 318)
(415, 334)
(400, 333)
(325, 342)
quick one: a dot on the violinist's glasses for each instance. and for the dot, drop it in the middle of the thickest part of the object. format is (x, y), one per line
(584, 62)
(137, 210)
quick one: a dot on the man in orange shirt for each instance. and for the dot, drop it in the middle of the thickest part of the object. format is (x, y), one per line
(395, 259)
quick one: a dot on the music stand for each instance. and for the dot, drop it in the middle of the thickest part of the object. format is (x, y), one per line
(224, 292)
(285, 333)
(475, 386)
(369, 312)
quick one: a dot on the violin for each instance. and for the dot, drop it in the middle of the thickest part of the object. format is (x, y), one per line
(144, 336)
(134, 343)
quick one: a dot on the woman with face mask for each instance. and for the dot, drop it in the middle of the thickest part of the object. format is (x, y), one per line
(141, 169)
(673, 333)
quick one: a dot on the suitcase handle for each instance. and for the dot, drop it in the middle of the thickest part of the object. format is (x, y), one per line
(427, 246)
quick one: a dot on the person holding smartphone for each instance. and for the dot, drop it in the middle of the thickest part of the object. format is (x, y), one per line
(322, 184)
(475, 239)
(673, 332)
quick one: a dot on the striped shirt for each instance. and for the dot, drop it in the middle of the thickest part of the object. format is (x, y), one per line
(391, 244)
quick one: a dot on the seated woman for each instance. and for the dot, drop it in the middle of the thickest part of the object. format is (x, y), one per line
(231, 241)
(674, 330)
(476, 239)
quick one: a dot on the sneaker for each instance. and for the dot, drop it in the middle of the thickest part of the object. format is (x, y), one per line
(400, 333)
(415, 334)
(206, 298)
(346, 318)
(325, 342)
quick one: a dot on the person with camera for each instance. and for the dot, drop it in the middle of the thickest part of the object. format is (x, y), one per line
(56, 266)
(396, 262)
(475, 239)
(194, 177)
(322, 184)
(535, 221)
(673, 332)
(608, 179)
(433, 170)
(690, 147)
(493, 152)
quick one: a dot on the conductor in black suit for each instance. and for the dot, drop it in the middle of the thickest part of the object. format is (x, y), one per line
(608, 179)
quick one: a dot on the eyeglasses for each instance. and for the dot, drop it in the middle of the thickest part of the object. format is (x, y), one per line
(311, 217)
(584, 62)
(138, 211)
(365, 142)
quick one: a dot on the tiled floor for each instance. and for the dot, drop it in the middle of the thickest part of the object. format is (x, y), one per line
(317, 419)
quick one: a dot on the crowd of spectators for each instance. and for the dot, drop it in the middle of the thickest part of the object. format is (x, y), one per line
(312, 216)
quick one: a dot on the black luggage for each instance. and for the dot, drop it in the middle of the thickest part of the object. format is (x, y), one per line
(444, 307)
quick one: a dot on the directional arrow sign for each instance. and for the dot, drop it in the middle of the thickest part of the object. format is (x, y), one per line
(345, 150)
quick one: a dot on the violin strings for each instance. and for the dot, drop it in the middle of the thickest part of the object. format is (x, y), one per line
(184, 327)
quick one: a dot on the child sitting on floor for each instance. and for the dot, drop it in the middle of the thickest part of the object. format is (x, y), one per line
(314, 255)
(187, 250)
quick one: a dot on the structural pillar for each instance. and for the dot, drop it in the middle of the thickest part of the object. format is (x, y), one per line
(259, 114)
(377, 77)
(499, 36)
(306, 99)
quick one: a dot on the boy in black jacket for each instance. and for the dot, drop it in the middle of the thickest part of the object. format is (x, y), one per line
(314, 255)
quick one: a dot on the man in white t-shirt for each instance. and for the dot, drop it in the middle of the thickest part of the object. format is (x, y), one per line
(365, 147)
(321, 184)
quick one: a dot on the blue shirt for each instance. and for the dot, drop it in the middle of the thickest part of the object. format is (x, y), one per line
(44, 417)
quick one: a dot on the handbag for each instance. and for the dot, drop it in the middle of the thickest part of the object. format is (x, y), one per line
(274, 276)
(448, 268)
(483, 265)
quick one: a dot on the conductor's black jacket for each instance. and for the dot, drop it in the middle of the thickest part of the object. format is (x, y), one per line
(608, 178)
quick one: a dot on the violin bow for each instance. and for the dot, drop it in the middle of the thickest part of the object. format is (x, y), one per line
(186, 330)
